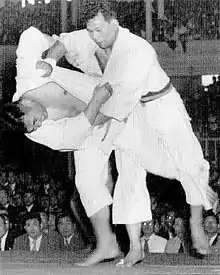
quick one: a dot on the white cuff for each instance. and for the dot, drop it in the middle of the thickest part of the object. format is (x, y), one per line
(51, 61)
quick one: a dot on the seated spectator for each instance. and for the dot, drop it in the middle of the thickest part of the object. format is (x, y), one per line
(44, 222)
(72, 240)
(44, 202)
(211, 225)
(150, 241)
(167, 230)
(218, 216)
(18, 202)
(30, 204)
(3, 211)
(178, 244)
(36, 239)
(12, 211)
(7, 234)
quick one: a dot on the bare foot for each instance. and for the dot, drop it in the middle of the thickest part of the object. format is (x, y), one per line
(101, 253)
(133, 257)
(199, 238)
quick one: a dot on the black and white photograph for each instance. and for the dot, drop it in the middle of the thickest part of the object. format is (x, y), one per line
(109, 137)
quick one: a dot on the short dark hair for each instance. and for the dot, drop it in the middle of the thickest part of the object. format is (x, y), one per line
(32, 216)
(29, 191)
(210, 213)
(92, 7)
(63, 215)
(5, 218)
(12, 116)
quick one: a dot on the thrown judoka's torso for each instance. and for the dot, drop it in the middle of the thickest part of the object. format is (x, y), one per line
(57, 101)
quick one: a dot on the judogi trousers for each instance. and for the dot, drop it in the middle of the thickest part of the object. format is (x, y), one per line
(158, 138)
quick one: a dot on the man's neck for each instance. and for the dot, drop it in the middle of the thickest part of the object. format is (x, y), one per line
(211, 236)
(6, 205)
(70, 236)
(4, 235)
(37, 237)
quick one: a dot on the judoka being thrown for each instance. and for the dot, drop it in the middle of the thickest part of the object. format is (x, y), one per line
(147, 125)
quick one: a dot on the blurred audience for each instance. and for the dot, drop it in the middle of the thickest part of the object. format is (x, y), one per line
(11, 210)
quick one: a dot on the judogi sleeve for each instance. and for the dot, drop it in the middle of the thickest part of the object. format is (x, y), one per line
(66, 134)
(80, 51)
(31, 45)
(129, 77)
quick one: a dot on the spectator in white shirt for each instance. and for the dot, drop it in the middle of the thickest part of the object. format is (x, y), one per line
(7, 235)
(150, 241)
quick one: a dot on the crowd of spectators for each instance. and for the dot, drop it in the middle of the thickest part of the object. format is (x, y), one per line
(40, 210)
(36, 215)
(14, 19)
(194, 20)
(169, 232)
(203, 106)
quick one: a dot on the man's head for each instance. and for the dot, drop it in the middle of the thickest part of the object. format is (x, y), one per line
(17, 199)
(170, 218)
(33, 225)
(45, 202)
(4, 197)
(210, 223)
(148, 228)
(24, 115)
(4, 225)
(179, 226)
(44, 221)
(29, 197)
(101, 23)
(65, 225)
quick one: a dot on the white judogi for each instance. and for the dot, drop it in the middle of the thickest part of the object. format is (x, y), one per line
(75, 132)
(157, 137)
(133, 70)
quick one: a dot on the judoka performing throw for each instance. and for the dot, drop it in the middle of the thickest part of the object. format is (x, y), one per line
(143, 119)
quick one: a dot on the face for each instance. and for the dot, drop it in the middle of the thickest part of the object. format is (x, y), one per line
(44, 202)
(17, 200)
(156, 227)
(179, 226)
(148, 228)
(153, 203)
(44, 221)
(61, 196)
(210, 225)
(65, 227)
(4, 199)
(35, 114)
(170, 217)
(28, 199)
(33, 228)
(4, 226)
(102, 32)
